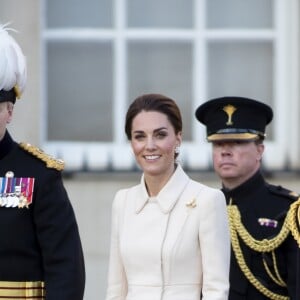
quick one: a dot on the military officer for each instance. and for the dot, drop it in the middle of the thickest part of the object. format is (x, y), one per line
(40, 250)
(264, 253)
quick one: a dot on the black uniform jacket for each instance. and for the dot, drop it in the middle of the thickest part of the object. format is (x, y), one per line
(257, 199)
(41, 242)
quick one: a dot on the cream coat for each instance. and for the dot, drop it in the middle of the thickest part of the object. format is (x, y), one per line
(171, 247)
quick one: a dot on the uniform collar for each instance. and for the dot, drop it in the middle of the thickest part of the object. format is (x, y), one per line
(6, 144)
(169, 194)
(245, 189)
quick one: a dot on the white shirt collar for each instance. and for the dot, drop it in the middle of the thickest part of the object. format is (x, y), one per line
(169, 194)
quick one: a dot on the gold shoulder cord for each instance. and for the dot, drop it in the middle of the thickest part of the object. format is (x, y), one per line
(265, 245)
(50, 161)
(293, 217)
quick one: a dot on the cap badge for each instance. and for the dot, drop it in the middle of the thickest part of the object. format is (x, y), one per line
(229, 109)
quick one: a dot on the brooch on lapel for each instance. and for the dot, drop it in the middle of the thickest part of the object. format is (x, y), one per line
(16, 191)
(267, 222)
(191, 203)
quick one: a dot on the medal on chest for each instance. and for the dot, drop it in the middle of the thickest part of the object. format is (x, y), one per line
(16, 191)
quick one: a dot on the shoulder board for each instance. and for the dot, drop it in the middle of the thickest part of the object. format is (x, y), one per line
(50, 161)
(281, 191)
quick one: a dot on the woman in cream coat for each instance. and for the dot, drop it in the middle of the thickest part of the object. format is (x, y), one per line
(170, 238)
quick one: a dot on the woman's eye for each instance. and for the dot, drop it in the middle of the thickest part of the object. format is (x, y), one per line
(138, 137)
(161, 134)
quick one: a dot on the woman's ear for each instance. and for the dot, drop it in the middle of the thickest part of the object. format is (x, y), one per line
(179, 139)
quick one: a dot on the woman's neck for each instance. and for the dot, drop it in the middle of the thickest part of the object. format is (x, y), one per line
(155, 183)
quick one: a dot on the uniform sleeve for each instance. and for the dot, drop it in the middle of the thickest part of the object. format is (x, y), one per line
(59, 240)
(215, 246)
(117, 282)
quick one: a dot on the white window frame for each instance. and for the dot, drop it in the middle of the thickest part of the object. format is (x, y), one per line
(195, 155)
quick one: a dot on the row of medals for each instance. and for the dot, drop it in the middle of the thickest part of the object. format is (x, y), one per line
(15, 199)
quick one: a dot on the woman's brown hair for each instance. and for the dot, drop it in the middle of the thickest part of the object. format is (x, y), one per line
(153, 102)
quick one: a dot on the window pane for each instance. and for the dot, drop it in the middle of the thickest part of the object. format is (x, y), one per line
(80, 91)
(239, 14)
(157, 13)
(241, 69)
(164, 68)
(75, 13)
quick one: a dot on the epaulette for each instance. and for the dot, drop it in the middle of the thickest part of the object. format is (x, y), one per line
(51, 162)
(281, 191)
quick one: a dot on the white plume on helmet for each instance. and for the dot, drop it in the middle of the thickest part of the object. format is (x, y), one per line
(13, 72)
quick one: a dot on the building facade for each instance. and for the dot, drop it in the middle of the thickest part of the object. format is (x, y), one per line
(87, 62)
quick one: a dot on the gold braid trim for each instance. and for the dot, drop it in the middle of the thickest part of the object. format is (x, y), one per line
(265, 245)
(279, 281)
(235, 225)
(293, 216)
(50, 161)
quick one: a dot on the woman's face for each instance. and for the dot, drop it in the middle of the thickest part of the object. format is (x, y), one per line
(153, 142)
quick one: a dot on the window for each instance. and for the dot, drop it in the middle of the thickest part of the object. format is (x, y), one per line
(99, 55)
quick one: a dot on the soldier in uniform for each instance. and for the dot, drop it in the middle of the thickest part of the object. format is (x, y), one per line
(264, 261)
(40, 251)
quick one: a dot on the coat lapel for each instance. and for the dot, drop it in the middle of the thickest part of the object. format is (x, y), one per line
(168, 196)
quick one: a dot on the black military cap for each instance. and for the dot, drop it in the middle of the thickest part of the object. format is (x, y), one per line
(10, 95)
(234, 118)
